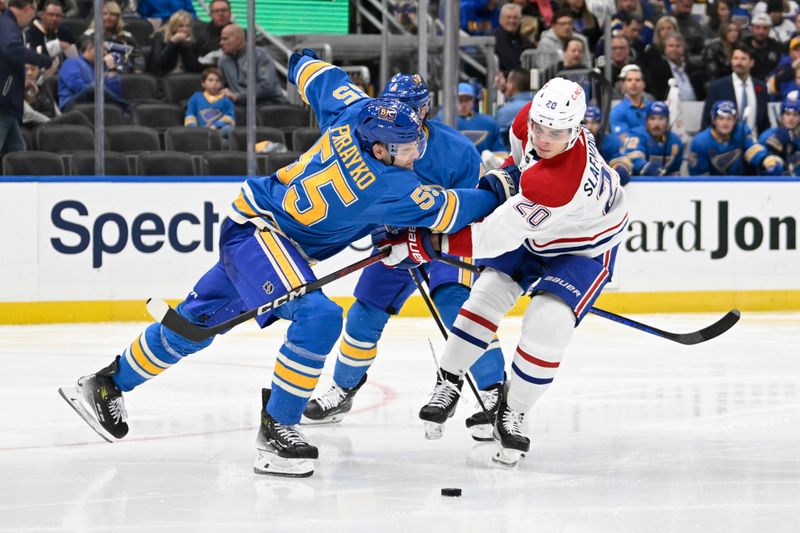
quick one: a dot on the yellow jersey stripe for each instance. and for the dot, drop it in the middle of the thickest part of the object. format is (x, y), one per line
(243, 206)
(295, 378)
(751, 152)
(357, 353)
(465, 276)
(281, 260)
(307, 73)
(142, 360)
(447, 213)
(134, 365)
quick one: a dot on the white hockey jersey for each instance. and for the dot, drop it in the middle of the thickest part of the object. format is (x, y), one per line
(572, 203)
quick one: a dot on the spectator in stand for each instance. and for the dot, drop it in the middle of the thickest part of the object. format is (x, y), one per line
(573, 57)
(174, 47)
(717, 53)
(783, 141)
(481, 129)
(536, 16)
(629, 26)
(209, 108)
(652, 54)
(780, 15)
(690, 82)
(479, 17)
(509, 43)
(689, 26)
(793, 87)
(162, 10)
(621, 55)
(630, 112)
(554, 39)
(742, 88)
(584, 22)
(652, 150)
(221, 16)
(46, 36)
(76, 78)
(118, 42)
(234, 65)
(517, 93)
(13, 57)
(2, 6)
(38, 107)
(719, 12)
(640, 10)
(610, 145)
(728, 147)
(782, 80)
(766, 50)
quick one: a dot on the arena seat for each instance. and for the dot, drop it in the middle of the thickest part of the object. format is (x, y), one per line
(112, 113)
(282, 116)
(32, 163)
(178, 88)
(192, 140)
(158, 116)
(140, 88)
(263, 133)
(274, 162)
(225, 164)
(60, 138)
(132, 139)
(82, 164)
(164, 164)
(304, 138)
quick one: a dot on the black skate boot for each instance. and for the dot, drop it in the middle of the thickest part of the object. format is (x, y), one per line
(331, 406)
(99, 402)
(482, 428)
(442, 404)
(508, 432)
(282, 450)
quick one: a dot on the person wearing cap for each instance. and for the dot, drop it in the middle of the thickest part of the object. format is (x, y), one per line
(610, 145)
(674, 65)
(630, 112)
(479, 128)
(784, 141)
(766, 50)
(729, 148)
(782, 79)
(780, 14)
(743, 89)
(652, 150)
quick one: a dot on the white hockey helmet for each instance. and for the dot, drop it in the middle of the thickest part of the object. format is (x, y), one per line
(561, 105)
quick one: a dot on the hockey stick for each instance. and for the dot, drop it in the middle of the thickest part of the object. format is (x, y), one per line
(170, 318)
(694, 337)
(416, 273)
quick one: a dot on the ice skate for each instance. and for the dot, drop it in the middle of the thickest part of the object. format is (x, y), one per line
(442, 404)
(331, 406)
(482, 428)
(282, 450)
(508, 432)
(99, 402)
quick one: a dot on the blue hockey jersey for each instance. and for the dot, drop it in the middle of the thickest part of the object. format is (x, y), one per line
(625, 116)
(336, 193)
(481, 129)
(641, 148)
(785, 144)
(450, 159)
(739, 155)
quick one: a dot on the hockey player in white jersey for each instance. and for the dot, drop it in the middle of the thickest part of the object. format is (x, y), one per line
(556, 238)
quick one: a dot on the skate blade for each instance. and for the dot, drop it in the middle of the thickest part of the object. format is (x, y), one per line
(335, 419)
(74, 398)
(482, 432)
(269, 463)
(507, 456)
(433, 431)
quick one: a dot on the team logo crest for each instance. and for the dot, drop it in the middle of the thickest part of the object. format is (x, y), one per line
(269, 287)
(387, 113)
(416, 79)
(724, 161)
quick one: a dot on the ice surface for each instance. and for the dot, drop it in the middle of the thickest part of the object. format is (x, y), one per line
(637, 434)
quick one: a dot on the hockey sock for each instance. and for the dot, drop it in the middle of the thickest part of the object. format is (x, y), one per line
(547, 328)
(358, 347)
(488, 369)
(491, 297)
(155, 350)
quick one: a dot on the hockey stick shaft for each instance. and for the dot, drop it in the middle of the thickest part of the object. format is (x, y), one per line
(416, 274)
(170, 318)
(694, 337)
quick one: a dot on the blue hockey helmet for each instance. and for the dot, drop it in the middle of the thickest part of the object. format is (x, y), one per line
(593, 113)
(389, 122)
(790, 103)
(657, 108)
(723, 108)
(409, 89)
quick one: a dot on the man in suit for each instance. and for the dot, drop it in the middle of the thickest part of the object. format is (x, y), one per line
(743, 89)
(673, 64)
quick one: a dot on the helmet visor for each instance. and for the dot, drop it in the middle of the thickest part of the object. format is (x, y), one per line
(549, 134)
(406, 150)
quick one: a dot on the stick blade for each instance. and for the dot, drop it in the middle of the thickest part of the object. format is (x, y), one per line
(158, 309)
(710, 332)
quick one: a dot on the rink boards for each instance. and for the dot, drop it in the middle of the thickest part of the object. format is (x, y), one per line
(90, 249)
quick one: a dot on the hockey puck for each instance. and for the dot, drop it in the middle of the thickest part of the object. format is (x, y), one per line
(453, 492)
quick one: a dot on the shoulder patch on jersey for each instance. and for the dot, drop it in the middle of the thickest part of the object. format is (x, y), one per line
(554, 182)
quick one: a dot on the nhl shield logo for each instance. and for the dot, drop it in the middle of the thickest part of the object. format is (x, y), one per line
(269, 287)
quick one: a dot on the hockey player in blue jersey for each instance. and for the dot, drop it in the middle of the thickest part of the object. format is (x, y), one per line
(783, 141)
(481, 129)
(728, 147)
(610, 144)
(382, 291)
(652, 150)
(354, 178)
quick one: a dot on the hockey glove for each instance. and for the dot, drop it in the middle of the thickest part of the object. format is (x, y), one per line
(383, 235)
(410, 248)
(773, 165)
(295, 58)
(623, 167)
(503, 182)
(651, 168)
